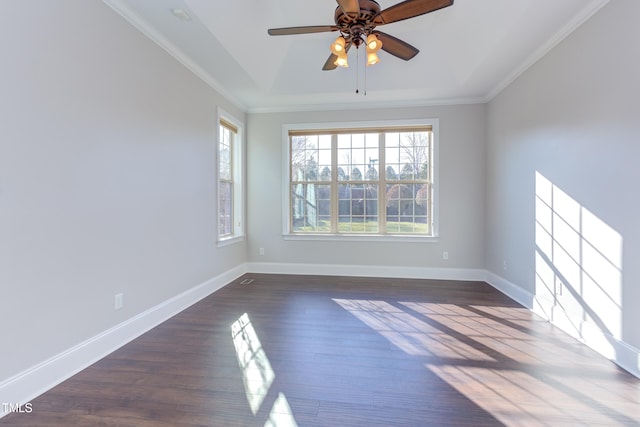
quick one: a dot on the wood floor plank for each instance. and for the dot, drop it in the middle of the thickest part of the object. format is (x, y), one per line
(346, 351)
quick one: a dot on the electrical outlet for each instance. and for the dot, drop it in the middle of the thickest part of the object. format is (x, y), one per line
(504, 264)
(118, 301)
(445, 255)
(261, 251)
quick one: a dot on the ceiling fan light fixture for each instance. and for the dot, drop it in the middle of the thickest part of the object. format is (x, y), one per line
(373, 46)
(338, 47)
(373, 43)
(342, 61)
(372, 58)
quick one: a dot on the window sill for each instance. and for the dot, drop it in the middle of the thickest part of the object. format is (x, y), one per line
(228, 241)
(361, 238)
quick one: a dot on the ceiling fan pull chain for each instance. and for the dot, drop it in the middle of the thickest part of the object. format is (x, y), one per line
(365, 80)
(357, 68)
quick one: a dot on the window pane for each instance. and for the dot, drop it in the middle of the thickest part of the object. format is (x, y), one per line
(311, 208)
(407, 208)
(224, 154)
(414, 153)
(324, 157)
(225, 203)
(306, 155)
(358, 156)
(357, 208)
(392, 172)
(407, 155)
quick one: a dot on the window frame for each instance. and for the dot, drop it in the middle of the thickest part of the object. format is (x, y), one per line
(354, 127)
(237, 234)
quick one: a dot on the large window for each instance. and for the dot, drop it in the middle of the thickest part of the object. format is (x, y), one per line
(230, 197)
(362, 180)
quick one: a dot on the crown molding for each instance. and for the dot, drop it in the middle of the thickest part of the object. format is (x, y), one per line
(367, 105)
(124, 10)
(586, 13)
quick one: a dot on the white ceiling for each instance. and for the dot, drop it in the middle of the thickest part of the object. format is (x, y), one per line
(468, 52)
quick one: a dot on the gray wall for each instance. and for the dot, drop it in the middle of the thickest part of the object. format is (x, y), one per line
(107, 177)
(461, 179)
(573, 122)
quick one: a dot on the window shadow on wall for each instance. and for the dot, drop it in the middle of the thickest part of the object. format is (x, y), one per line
(578, 263)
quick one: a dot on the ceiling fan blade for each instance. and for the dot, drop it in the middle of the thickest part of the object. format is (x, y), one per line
(330, 64)
(349, 6)
(286, 31)
(396, 47)
(410, 9)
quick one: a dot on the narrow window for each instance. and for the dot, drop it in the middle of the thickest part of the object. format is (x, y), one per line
(230, 221)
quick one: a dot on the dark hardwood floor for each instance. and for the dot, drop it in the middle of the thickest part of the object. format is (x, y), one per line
(337, 351)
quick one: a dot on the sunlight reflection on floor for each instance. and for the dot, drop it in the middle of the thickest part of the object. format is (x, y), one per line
(256, 370)
(257, 374)
(408, 332)
(281, 415)
(493, 356)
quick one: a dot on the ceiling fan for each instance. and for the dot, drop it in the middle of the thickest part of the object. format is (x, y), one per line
(356, 21)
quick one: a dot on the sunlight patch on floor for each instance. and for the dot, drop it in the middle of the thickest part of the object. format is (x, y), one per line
(257, 373)
(281, 415)
(518, 398)
(413, 335)
(502, 365)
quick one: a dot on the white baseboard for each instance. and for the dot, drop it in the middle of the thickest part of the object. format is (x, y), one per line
(34, 381)
(511, 290)
(619, 352)
(628, 358)
(469, 274)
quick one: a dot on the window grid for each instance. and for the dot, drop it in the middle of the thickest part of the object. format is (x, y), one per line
(337, 197)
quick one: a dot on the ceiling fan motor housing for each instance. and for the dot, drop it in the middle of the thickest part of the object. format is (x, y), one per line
(356, 26)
